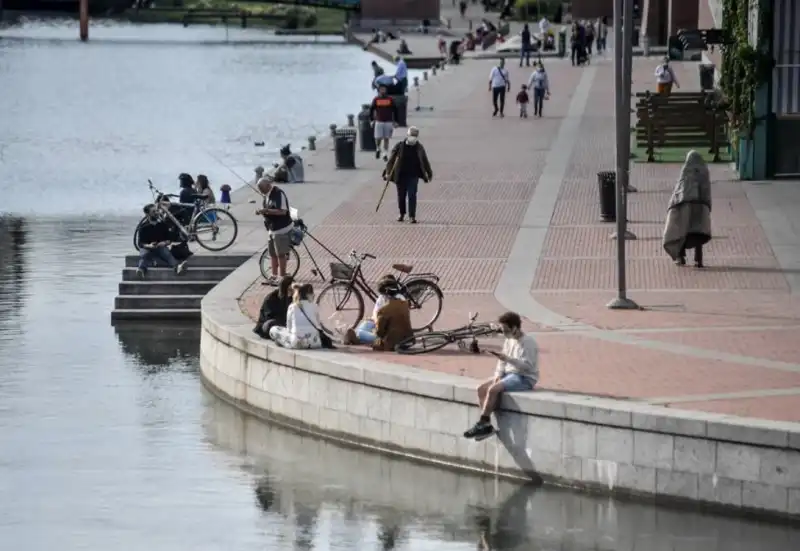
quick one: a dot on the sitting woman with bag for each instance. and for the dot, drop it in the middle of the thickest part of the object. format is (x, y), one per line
(302, 322)
(274, 308)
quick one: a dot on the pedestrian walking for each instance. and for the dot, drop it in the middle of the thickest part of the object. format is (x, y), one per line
(688, 224)
(522, 101)
(499, 84)
(665, 78)
(383, 114)
(407, 164)
(540, 85)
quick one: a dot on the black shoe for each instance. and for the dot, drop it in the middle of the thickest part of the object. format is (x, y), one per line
(495, 113)
(479, 431)
(681, 261)
(413, 220)
(378, 154)
(401, 218)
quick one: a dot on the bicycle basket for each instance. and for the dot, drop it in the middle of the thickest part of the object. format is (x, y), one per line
(341, 271)
(296, 236)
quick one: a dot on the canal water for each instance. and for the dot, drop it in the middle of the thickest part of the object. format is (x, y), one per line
(107, 439)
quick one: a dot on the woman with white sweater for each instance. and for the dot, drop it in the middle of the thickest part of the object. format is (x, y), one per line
(302, 322)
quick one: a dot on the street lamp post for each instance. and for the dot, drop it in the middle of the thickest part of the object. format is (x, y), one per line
(83, 9)
(623, 73)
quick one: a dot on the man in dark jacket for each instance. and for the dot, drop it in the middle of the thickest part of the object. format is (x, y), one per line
(155, 237)
(407, 164)
(274, 308)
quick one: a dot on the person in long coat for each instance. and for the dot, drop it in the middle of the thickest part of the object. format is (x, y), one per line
(688, 224)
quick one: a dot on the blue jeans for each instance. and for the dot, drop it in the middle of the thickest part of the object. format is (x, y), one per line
(366, 332)
(407, 189)
(148, 256)
(525, 54)
(514, 382)
(538, 101)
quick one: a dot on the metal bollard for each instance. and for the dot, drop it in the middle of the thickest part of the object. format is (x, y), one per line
(312, 143)
(433, 70)
(470, 25)
(351, 120)
(424, 75)
(449, 23)
(416, 82)
(333, 128)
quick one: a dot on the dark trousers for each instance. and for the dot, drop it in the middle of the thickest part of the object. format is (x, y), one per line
(575, 49)
(407, 191)
(525, 54)
(147, 257)
(698, 255)
(499, 99)
(538, 101)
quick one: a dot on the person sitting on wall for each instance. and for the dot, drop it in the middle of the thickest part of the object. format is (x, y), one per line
(455, 52)
(273, 309)
(302, 322)
(365, 332)
(154, 239)
(291, 170)
(403, 49)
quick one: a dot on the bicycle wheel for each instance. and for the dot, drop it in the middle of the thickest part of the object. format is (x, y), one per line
(341, 307)
(423, 343)
(215, 229)
(477, 330)
(136, 233)
(292, 263)
(425, 301)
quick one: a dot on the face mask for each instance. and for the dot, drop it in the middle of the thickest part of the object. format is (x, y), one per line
(411, 140)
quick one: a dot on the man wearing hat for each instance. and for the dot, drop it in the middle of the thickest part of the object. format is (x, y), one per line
(407, 164)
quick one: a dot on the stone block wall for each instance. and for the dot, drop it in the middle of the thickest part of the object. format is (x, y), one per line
(585, 442)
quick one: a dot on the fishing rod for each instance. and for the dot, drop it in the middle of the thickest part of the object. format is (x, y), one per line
(247, 183)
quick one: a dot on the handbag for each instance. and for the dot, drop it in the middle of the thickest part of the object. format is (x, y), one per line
(324, 339)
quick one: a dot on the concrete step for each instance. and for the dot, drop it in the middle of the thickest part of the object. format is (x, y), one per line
(182, 287)
(156, 315)
(157, 302)
(201, 260)
(168, 274)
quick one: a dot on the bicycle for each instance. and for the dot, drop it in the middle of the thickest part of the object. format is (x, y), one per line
(348, 282)
(204, 221)
(436, 340)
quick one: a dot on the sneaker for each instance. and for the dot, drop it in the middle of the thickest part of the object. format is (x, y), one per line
(350, 338)
(140, 273)
(271, 280)
(377, 153)
(479, 431)
(180, 268)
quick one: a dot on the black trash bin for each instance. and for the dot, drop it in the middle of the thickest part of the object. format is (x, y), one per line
(366, 134)
(562, 43)
(607, 185)
(706, 76)
(401, 103)
(344, 147)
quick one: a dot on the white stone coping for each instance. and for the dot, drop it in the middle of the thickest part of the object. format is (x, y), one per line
(223, 319)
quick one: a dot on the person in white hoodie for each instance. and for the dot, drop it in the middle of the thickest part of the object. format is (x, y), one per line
(517, 371)
(302, 322)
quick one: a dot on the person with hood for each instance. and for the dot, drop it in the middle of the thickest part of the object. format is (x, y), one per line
(273, 309)
(291, 171)
(408, 163)
(688, 224)
(540, 85)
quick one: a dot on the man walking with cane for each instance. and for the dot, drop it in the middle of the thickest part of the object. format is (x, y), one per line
(407, 164)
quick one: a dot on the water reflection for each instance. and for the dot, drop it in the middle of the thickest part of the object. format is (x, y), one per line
(399, 505)
(157, 347)
(12, 268)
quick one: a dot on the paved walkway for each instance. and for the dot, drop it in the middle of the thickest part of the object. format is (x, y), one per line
(511, 222)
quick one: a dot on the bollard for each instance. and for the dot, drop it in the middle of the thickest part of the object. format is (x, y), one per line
(424, 75)
(312, 143)
(351, 120)
(333, 130)
(433, 70)
(470, 25)
(416, 82)
(449, 23)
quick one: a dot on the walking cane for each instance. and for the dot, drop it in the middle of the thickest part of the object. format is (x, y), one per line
(383, 193)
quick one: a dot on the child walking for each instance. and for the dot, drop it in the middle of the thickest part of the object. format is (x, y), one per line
(523, 99)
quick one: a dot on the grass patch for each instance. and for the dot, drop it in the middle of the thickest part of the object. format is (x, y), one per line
(300, 19)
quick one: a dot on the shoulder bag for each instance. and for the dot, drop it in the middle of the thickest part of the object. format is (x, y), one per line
(324, 339)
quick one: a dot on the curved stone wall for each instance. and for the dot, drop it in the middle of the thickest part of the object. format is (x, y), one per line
(586, 442)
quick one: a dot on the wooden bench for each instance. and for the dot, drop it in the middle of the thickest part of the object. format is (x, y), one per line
(688, 120)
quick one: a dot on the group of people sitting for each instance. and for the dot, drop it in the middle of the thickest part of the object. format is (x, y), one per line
(289, 317)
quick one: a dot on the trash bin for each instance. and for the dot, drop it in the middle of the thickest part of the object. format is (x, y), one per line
(706, 76)
(366, 134)
(401, 103)
(607, 185)
(344, 147)
(562, 43)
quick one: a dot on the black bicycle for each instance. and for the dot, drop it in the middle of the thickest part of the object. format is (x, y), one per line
(213, 228)
(465, 337)
(348, 287)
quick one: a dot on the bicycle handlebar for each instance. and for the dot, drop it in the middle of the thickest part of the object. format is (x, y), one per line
(361, 256)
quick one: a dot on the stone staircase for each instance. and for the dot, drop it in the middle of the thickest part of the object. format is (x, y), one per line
(164, 295)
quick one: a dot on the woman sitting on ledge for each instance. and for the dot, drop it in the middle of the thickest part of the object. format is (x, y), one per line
(274, 308)
(302, 322)
(390, 322)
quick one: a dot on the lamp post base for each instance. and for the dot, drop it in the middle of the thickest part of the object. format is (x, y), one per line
(623, 304)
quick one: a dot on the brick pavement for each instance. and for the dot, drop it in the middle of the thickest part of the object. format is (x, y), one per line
(719, 339)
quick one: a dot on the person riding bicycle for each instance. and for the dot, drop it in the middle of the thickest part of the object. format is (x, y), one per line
(517, 370)
(390, 322)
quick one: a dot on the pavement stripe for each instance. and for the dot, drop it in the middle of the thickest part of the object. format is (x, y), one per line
(513, 289)
(766, 393)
